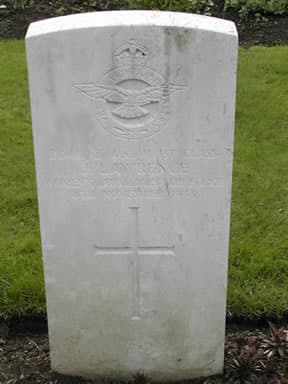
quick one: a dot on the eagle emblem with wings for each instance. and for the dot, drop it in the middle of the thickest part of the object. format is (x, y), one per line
(132, 101)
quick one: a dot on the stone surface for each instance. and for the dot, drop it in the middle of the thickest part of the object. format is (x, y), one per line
(133, 116)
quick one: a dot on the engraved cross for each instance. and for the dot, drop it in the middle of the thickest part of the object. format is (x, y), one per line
(134, 251)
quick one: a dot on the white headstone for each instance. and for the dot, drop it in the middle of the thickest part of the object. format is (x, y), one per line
(133, 134)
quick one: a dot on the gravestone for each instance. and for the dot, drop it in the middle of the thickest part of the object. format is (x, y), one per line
(133, 116)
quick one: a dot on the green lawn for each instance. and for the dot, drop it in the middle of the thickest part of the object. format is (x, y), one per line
(258, 280)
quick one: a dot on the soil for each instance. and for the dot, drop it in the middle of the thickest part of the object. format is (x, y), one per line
(273, 31)
(24, 359)
(264, 30)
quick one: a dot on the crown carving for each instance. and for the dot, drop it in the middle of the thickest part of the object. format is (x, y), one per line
(131, 53)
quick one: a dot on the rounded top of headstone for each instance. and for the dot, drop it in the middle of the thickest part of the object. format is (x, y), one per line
(128, 18)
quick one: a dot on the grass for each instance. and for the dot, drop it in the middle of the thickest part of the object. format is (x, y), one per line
(258, 281)
(21, 278)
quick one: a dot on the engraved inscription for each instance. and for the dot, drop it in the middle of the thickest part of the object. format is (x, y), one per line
(140, 174)
(133, 252)
(132, 99)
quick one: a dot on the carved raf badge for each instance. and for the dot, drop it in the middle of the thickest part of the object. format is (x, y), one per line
(132, 99)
